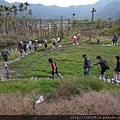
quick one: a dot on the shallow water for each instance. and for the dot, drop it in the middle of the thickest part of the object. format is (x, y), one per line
(12, 48)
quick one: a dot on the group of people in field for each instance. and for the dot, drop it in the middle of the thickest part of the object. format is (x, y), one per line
(114, 39)
(104, 67)
(32, 45)
(76, 39)
(22, 46)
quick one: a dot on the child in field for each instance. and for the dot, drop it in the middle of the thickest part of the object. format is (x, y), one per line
(30, 46)
(78, 38)
(59, 40)
(5, 54)
(74, 39)
(53, 42)
(98, 38)
(103, 65)
(25, 48)
(117, 70)
(45, 44)
(35, 45)
(114, 40)
(54, 68)
(20, 48)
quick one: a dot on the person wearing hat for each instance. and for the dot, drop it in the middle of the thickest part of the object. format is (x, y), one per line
(20, 48)
(54, 68)
(87, 64)
(5, 54)
(53, 42)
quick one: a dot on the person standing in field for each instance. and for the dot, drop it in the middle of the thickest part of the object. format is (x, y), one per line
(54, 68)
(20, 48)
(35, 45)
(98, 38)
(87, 64)
(53, 42)
(74, 39)
(5, 54)
(59, 40)
(25, 48)
(45, 44)
(117, 70)
(30, 46)
(114, 40)
(78, 38)
(103, 65)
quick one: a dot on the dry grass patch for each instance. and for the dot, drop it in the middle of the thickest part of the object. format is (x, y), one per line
(91, 103)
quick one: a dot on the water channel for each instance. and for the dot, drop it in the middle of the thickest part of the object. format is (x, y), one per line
(12, 47)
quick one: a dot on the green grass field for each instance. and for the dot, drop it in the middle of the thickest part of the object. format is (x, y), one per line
(70, 64)
(74, 94)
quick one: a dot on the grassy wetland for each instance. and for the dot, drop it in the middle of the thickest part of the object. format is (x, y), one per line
(74, 94)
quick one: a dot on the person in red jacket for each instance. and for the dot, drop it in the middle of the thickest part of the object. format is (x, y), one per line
(54, 68)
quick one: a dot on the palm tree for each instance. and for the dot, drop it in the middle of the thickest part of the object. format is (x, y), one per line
(110, 22)
(1, 9)
(14, 9)
(26, 5)
(1, 17)
(21, 7)
(73, 15)
(30, 12)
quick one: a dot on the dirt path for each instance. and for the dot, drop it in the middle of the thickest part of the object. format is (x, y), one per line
(5, 72)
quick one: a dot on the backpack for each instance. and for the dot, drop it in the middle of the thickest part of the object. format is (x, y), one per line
(78, 37)
(89, 62)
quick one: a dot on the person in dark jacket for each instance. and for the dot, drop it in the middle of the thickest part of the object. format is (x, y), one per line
(35, 45)
(114, 40)
(86, 65)
(5, 54)
(117, 69)
(103, 65)
(25, 48)
(54, 68)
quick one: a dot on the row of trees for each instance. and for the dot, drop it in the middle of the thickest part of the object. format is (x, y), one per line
(8, 20)
(13, 20)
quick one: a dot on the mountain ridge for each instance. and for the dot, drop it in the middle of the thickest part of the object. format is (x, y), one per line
(104, 8)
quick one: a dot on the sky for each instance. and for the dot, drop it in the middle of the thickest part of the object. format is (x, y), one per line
(61, 3)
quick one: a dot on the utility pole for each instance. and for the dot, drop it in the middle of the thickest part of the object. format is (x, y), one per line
(61, 29)
(68, 27)
(93, 11)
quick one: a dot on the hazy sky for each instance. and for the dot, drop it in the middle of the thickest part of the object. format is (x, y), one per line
(62, 3)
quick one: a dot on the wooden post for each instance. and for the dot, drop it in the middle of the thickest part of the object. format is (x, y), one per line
(93, 11)
(61, 31)
(48, 30)
(68, 27)
(40, 27)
